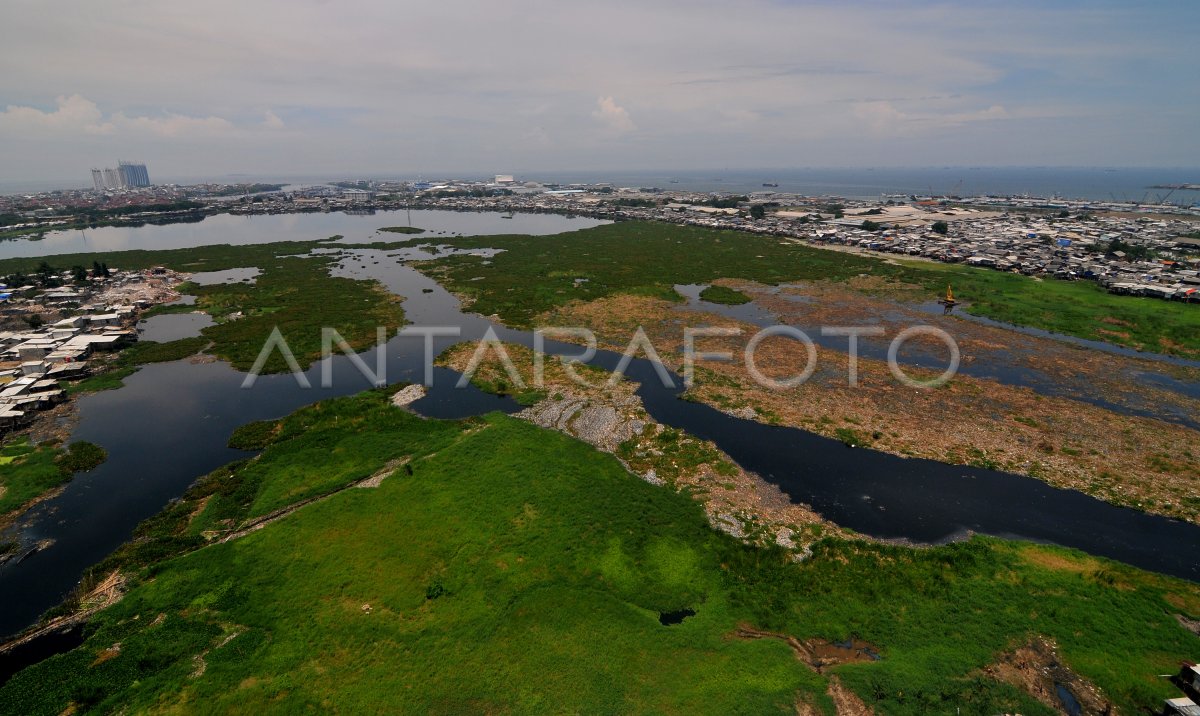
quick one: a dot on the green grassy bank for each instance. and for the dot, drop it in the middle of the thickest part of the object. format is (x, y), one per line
(503, 568)
(29, 471)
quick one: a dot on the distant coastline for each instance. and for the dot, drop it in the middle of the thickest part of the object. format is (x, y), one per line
(1094, 183)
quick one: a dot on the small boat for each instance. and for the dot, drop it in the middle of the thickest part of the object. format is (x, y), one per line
(771, 184)
(948, 303)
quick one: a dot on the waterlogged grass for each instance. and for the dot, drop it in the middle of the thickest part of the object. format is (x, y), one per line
(82, 456)
(724, 295)
(505, 568)
(299, 297)
(29, 471)
(1074, 308)
(535, 274)
(402, 230)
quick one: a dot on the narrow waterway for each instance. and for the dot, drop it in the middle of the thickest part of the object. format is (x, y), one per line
(170, 423)
(1011, 365)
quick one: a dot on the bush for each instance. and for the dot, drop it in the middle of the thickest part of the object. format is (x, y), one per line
(723, 295)
(82, 456)
(254, 436)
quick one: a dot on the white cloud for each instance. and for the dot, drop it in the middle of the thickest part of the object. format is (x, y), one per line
(882, 117)
(613, 115)
(174, 125)
(76, 115)
(272, 121)
(72, 114)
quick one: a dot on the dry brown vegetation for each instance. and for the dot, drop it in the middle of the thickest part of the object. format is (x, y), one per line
(1142, 462)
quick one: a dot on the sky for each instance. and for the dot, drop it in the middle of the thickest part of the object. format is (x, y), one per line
(213, 88)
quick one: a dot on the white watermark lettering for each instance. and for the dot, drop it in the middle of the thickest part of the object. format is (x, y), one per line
(853, 332)
(490, 341)
(429, 332)
(791, 332)
(640, 343)
(275, 341)
(329, 336)
(689, 349)
(641, 340)
(568, 362)
(911, 332)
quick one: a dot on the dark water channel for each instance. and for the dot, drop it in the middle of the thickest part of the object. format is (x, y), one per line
(170, 423)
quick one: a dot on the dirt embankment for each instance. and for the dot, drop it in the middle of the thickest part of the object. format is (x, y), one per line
(611, 417)
(819, 655)
(106, 593)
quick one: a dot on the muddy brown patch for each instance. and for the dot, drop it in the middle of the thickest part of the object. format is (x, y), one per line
(1037, 669)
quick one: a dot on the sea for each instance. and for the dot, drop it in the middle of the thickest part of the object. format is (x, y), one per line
(1126, 184)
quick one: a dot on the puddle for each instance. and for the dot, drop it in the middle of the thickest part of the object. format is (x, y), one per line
(173, 326)
(671, 618)
(235, 275)
(1069, 703)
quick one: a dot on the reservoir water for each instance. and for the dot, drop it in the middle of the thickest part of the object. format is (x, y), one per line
(170, 423)
(265, 228)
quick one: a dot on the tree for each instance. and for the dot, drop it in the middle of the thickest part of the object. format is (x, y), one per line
(869, 225)
(758, 212)
(79, 274)
(940, 227)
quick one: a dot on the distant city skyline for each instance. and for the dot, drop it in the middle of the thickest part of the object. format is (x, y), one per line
(127, 175)
(376, 88)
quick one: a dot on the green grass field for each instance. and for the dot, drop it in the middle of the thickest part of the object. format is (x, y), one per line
(29, 471)
(503, 568)
(535, 274)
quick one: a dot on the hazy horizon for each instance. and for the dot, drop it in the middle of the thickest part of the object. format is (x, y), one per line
(1087, 183)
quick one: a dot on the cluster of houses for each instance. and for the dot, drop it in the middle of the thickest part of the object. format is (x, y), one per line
(72, 324)
(1188, 679)
(1066, 249)
(1158, 259)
